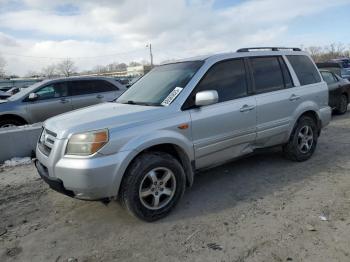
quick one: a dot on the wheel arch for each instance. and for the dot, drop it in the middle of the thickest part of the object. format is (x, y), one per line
(311, 113)
(174, 149)
(13, 116)
(178, 153)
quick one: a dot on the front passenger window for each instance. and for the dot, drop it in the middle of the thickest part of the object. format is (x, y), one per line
(228, 78)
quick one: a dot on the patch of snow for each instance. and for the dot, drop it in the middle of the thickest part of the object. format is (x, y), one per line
(17, 161)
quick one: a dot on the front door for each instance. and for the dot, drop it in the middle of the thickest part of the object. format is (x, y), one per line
(52, 100)
(224, 130)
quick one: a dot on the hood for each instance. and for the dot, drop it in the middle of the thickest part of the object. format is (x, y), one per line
(107, 115)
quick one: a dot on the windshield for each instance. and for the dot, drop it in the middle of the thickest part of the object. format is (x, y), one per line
(160, 85)
(26, 91)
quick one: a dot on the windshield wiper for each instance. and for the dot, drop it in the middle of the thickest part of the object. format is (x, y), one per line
(131, 102)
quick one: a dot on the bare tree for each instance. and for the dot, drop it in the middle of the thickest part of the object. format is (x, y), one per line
(66, 67)
(2, 67)
(99, 69)
(49, 71)
(32, 73)
(133, 63)
(332, 51)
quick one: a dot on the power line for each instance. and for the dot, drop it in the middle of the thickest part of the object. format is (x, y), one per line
(62, 58)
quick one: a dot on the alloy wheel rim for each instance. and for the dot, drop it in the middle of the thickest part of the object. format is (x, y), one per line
(157, 188)
(305, 139)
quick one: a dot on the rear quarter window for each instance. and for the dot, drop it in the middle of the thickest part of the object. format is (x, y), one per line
(305, 70)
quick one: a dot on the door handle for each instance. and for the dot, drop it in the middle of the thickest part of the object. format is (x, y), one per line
(246, 108)
(99, 96)
(294, 97)
(64, 101)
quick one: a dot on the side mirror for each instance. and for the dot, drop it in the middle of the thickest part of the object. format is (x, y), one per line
(33, 96)
(206, 98)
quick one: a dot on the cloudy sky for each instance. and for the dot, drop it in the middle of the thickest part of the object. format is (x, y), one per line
(35, 33)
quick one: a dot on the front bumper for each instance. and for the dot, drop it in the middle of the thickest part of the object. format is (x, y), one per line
(94, 178)
(54, 183)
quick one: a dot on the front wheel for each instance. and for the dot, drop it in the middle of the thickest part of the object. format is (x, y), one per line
(303, 140)
(153, 185)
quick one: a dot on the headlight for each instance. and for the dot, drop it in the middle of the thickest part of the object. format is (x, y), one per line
(86, 144)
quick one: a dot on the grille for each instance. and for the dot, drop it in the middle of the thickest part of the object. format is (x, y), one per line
(47, 141)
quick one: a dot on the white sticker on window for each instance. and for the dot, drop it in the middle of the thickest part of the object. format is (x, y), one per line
(170, 98)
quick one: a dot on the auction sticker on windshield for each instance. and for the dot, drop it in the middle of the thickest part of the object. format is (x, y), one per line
(170, 98)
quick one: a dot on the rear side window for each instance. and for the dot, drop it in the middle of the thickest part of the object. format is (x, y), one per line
(267, 74)
(104, 86)
(305, 70)
(228, 78)
(84, 87)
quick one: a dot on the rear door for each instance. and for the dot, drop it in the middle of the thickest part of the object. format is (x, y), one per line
(276, 98)
(224, 130)
(52, 100)
(89, 92)
(106, 91)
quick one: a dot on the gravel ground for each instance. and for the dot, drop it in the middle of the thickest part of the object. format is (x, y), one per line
(261, 208)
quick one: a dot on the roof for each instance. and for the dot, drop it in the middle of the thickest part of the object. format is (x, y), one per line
(251, 51)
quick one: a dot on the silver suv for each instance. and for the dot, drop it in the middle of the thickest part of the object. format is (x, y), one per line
(182, 117)
(52, 97)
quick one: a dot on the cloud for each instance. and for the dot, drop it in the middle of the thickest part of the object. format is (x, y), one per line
(6, 40)
(176, 28)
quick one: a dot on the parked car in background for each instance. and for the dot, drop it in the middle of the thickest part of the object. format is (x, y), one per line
(339, 91)
(52, 97)
(4, 95)
(182, 117)
(5, 88)
(133, 81)
(14, 90)
(7, 84)
(341, 67)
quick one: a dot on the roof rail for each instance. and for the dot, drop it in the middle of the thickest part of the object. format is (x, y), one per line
(268, 48)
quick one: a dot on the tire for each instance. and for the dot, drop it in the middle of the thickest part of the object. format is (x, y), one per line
(7, 122)
(142, 185)
(303, 140)
(343, 105)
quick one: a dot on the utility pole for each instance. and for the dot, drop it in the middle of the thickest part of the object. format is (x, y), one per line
(150, 53)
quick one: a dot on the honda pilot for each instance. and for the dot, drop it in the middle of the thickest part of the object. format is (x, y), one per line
(182, 117)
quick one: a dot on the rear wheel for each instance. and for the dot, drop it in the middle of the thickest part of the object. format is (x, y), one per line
(303, 140)
(343, 105)
(153, 185)
(8, 122)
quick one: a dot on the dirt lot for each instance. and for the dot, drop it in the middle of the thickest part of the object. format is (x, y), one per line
(262, 208)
